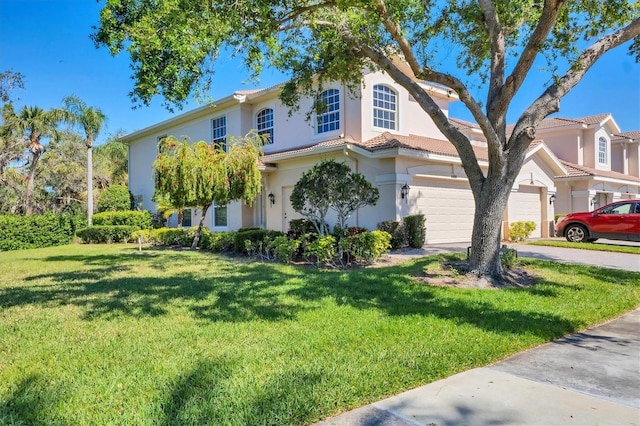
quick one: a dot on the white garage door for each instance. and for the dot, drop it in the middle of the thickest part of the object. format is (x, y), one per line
(448, 208)
(524, 206)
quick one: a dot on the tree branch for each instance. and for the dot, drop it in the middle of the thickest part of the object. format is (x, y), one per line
(525, 62)
(549, 101)
(296, 13)
(496, 37)
(396, 32)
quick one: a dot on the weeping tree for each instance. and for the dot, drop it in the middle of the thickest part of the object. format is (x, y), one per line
(195, 175)
(173, 43)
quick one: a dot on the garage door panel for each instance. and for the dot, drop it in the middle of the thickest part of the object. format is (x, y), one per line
(448, 208)
(524, 206)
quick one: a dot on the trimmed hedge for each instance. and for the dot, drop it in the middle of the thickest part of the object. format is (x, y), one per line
(182, 237)
(415, 229)
(45, 230)
(115, 198)
(106, 233)
(139, 219)
(397, 232)
(366, 246)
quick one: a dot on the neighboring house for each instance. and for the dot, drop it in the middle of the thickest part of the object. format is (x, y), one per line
(380, 132)
(603, 164)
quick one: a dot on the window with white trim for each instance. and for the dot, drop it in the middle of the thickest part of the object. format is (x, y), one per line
(385, 107)
(186, 218)
(219, 131)
(264, 124)
(602, 150)
(219, 216)
(328, 119)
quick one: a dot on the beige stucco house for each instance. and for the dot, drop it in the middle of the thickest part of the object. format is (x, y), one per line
(603, 164)
(382, 133)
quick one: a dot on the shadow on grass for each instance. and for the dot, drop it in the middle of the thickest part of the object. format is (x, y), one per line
(253, 292)
(215, 288)
(31, 402)
(209, 395)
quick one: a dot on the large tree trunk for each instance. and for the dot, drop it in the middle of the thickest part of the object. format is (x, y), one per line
(89, 185)
(484, 258)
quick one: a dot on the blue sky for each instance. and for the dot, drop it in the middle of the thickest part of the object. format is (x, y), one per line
(48, 42)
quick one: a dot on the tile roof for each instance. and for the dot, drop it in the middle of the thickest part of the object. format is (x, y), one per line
(462, 124)
(417, 143)
(273, 156)
(380, 143)
(634, 135)
(554, 122)
(388, 141)
(575, 170)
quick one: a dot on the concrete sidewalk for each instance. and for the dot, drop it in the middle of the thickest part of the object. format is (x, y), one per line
(588, 378)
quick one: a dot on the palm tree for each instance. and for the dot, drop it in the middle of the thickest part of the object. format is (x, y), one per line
(35, 123)
(91, 120)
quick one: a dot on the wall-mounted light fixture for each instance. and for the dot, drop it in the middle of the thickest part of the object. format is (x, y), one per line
(272, 198)
(552, 199)
(404, 191)
(593, 200)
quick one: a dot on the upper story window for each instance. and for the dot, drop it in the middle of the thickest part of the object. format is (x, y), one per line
(328, 119)
(385, 107)
(265, 124)
(602, 150)
(219, 131)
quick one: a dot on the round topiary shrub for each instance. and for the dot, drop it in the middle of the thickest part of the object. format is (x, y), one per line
(115, 198)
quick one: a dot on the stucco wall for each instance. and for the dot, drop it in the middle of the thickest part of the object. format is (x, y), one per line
(566, 145)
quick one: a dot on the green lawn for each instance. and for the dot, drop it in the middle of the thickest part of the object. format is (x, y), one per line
(587, 246)
(97, 334)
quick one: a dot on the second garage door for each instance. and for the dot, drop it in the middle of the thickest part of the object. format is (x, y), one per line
(448, 208)
(525, 206)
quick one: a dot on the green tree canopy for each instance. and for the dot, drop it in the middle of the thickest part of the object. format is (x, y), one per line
(173, 44)
(195, 175)
(330, 185)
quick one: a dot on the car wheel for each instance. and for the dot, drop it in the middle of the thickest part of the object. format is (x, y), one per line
(576, 234)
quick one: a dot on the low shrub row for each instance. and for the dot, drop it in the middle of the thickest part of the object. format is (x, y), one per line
(106, 233)
(115, 226)
(411, 232)
(34, 231)
(138, 219)
(362, 247)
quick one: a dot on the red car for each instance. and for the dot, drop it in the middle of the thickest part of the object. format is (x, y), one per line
(615, 221)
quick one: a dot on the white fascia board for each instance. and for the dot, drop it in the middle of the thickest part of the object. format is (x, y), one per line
(182, 118)
(597, 179)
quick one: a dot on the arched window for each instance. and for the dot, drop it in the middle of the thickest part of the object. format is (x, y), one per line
(602, 150)
(328, 118)
(264, 124)
(385, 107)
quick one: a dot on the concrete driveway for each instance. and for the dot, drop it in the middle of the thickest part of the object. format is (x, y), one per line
(624, 261)
(587, 378)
